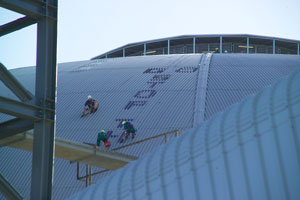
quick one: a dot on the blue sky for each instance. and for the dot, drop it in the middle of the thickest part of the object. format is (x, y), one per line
(91, 27)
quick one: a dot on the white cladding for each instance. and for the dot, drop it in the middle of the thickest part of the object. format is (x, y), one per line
(250, 151)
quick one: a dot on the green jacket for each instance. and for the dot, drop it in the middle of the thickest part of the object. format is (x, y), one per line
(101, 136)
(129, 127)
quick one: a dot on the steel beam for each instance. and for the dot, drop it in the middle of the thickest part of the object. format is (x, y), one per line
(194, 45)
(88, 179)
(45, 90)
(274, 49)
(247, 45)
(14, 85)
(8, 190)
(221, 44)
(168, 47)
(45, 12)
(15, 126)
(145, 47)
(21, 110)
(16, 25)
(33, 8)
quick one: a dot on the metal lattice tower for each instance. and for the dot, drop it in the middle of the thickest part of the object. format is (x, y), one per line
(34, 111)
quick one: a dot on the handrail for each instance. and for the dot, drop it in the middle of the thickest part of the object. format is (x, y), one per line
(177, 132)
(88, 176)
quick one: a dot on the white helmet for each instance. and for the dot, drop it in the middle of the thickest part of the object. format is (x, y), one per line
(89, 97)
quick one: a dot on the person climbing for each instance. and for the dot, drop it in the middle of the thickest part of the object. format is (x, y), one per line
(102, 136)
(128, 127)
(90, 106)
(217, 50)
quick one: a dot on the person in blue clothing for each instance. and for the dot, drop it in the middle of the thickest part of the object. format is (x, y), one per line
(128, 127)
(90, 106)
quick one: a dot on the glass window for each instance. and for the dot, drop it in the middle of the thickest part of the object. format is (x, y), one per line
(101, 57)
(207, 44)
(157, 48)
(234, 45)
(135, 50)
(181, 46)
(118, 53)
(282, 47)
(257, 45)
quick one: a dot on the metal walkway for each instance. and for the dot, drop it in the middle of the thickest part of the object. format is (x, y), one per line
(73, 151)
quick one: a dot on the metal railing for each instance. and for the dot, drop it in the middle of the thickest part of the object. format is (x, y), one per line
(88, 175)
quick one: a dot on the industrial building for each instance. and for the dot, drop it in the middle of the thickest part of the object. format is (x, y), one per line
(162, 95)
(193, 139)
(222, 43)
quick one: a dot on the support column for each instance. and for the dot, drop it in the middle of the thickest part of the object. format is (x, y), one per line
(274, 50)
(88, 174)
(166, 138)
(247, 45)
(298, 50)
(105, 55)
(168, 47)
(123, 52)
(44, 13)
(221, 44)
(194, 45)
(45, 97)
(145, 48)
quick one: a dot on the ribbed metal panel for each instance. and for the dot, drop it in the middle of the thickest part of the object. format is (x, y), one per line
(15, 165)
(164, 84)
(165, 87)
(235, 76)
(251, 151)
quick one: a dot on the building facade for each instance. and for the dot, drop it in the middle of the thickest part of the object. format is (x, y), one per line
(191, 44)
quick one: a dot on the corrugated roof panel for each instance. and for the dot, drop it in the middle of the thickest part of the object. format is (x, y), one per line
(156, 93)
(226, 157)
(235, 76)
(16, 167)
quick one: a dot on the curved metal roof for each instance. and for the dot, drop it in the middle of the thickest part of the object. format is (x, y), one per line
(157, 93)
(250, 151)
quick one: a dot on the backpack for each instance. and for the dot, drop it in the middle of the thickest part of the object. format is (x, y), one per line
(107, 143)
(129, 125)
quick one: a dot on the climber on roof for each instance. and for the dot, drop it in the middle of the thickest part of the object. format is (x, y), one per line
(90, 106)
(102, 136)
(128, 127)
(217, 50)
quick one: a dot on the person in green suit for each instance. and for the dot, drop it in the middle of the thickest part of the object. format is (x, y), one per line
(128, 127)
(102, 136)
(217, 50)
